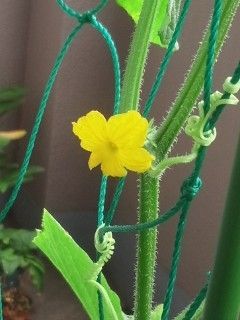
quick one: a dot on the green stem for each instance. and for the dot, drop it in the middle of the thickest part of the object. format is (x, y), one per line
(133, 78)
(147, 242)
(172, 161)
(134, 72)
(193, 84)
(223, 299)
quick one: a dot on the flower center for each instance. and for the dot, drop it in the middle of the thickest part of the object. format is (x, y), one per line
(112, 146)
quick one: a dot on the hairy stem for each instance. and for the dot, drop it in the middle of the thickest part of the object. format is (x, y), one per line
(147, 248)
(132, 81)
(193, 84)
(134, 72)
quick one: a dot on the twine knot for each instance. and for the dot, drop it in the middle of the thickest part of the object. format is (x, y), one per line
(190, 188)
(84, 17)
(87, 17)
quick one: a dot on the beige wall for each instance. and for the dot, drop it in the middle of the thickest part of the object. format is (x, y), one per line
(67, 188)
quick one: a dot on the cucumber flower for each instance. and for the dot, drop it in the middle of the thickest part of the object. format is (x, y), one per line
(116, 144)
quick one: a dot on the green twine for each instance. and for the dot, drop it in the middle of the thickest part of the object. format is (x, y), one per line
(38, 120)
(100, 219)
(81, 16)
(103, 187)
(115, 201)
(101, 201)
(208, 79)
(166, 58)
(199, 161)
(197, 302)
(226, 95)
(114, 54)
(175, 261)
(136, 228)
(193, 183)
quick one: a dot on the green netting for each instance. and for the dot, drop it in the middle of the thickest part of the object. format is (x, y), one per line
(190, 186)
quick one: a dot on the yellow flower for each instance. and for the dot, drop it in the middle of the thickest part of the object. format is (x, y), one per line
(116, 144)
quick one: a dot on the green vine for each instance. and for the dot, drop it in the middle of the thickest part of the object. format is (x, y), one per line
(132, 81)
(191, 89)
(147, 248)
(134, 72)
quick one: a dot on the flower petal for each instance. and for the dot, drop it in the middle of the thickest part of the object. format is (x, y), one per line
(91, 130)
(137, 160)
(113, 167)
(94, 160)
(127, 129)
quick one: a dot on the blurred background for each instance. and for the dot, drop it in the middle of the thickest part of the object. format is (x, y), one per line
(31, 33)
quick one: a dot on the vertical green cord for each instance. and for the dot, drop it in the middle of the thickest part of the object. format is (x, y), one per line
(223, 298)
(201, 154)
(103, 187)
(146, 254)
(100, 219)
(211, 54)
(115, 60)
(115, 201)
(166, 59)
(189, 190)
(196, 306)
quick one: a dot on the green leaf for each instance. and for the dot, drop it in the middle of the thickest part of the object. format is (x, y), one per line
(10, 98)
(12, 94)
(36, 262)
(10, 176)
(76, 267)
(4, 142)
(157, 312)
(134, 7)
(170, 22)
(36, 271)
(18, 239)
(10, 261)
(8, 106)
(36, 276)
